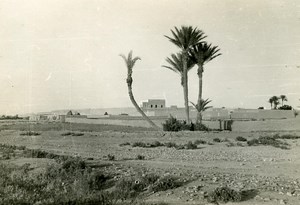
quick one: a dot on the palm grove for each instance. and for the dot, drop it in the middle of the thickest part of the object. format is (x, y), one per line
(193, 51)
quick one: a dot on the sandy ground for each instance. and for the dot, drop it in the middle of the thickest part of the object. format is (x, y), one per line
(273, 172)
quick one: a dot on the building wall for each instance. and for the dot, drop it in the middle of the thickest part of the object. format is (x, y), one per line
(154, 104)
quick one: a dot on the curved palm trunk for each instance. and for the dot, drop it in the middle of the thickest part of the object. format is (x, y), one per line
(137, 107)
(200, 76)
(185, 88)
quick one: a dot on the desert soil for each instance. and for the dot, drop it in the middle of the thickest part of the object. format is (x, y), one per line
(274, 173)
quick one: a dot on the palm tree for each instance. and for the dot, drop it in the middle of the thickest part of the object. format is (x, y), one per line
(176, 65)
(129, 61)
(271, 102)
(185, 38)
(201, 107)
(203, 53)
(283, 98)
(275, 100)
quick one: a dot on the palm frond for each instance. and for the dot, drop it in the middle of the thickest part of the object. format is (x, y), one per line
(204, 52)
(129, 61)
(186, 37)
(202, 106)
(176, 63)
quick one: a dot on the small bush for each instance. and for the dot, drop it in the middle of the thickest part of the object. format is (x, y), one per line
(216, 140)
(287, 136)
(172, 124)
(30, 133)
(171, 144)
(224, 194)
(111, 157)
(190, 145)
(156, 144)
(268, 141)
(73, 164)
(241, 139)
(200, 142)
(201, 127)
(140, 157)
(124, 144)
(165, 183)
(139, 144)
(72, 134)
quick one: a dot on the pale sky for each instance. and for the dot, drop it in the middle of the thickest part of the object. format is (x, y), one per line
(62, 54)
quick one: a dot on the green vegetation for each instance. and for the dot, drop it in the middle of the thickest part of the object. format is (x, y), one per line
(185, 38)
(217, 140)
(30, 133)
(274, 101)
(71, 181)
(268, 141)
(72, 134)
(201, 53)
(224, 194)
(174, 125)
(241, 139)
(189, 145)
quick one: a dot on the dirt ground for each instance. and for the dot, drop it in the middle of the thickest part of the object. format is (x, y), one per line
(271, 174)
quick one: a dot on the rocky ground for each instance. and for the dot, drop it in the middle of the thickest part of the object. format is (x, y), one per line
(268, 175)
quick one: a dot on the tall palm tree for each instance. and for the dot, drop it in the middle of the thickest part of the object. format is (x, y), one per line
(129, 61)
(202, 53)
(185, 38)
(275, 101)
(201, 107)
(283, 98)
(271, 102)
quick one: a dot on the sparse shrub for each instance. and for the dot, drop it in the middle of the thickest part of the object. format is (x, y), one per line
(172, 124)
(216, 140)
(98, 181)
(171, 144)
(140, 157)
(66, 134)
(124, 144)
(197, 142)
(165, 183)
(77, 134)
(287, 136)
(156, 144)
(35, 153)
(73, 164)
(190, 145)
(72, 133)
(111, 157)
(180, 146)
(30, 133)
(270, 141)
(285, 107)
(201, 127)
(139, 144)
(224, 194)
(241, 139)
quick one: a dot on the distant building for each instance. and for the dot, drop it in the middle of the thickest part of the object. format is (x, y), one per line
(154, 104)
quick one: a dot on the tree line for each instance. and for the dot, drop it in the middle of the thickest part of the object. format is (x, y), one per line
(193, 50)
(275, 102)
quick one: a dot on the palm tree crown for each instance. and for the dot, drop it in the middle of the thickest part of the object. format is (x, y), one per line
(186, 37)
(203, 52)
(129, 64)
(283, 98)
(202, 106)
